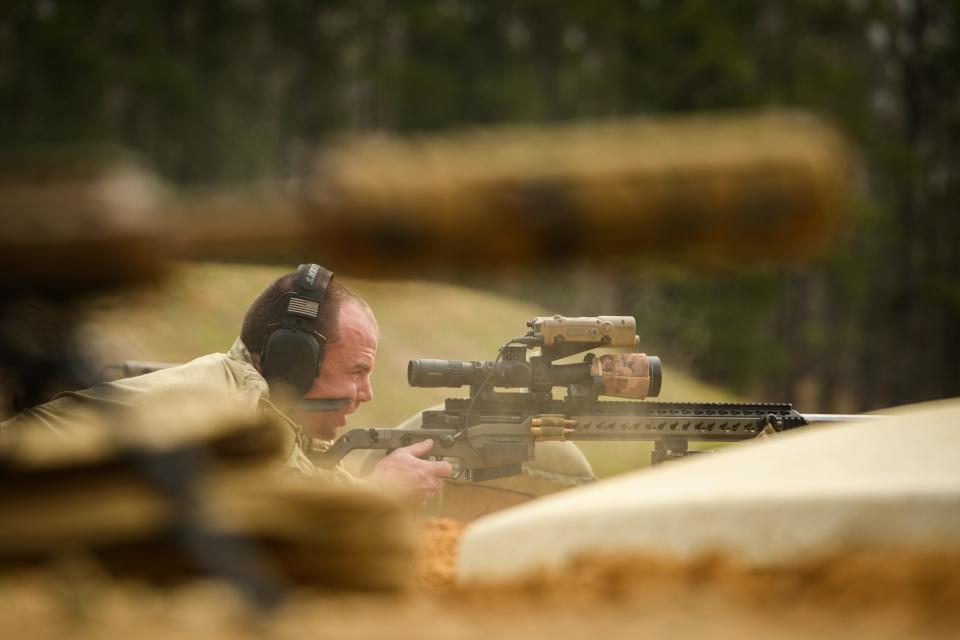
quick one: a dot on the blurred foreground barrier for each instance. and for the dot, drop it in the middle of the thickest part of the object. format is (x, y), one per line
(891, 484)
(78, 220)
(738, 188)
(187, 485)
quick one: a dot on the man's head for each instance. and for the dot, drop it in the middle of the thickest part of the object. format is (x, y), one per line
(351, 335)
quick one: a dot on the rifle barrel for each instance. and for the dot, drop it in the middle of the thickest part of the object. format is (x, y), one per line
(814, 418)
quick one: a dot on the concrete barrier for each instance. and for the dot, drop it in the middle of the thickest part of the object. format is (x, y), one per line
(890, 482)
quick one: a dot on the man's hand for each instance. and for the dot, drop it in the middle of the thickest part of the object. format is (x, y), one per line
(404, 471)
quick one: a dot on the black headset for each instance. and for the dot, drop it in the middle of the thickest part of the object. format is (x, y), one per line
(293, 352)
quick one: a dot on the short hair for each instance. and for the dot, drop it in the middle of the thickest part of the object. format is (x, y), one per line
(265, 313)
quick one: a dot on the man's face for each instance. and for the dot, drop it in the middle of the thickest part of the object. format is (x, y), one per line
(345, 373)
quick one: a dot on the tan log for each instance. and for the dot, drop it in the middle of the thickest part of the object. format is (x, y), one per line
(740, 188)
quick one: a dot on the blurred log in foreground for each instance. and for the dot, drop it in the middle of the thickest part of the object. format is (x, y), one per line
(736, 188)
(747, 188)
(188, 483)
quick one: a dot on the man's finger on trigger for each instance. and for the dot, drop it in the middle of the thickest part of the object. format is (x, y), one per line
(421, 448)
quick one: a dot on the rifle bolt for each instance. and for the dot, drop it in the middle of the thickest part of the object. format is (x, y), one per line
(446, 441)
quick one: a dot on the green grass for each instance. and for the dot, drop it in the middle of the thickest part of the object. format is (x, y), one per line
(198, 310)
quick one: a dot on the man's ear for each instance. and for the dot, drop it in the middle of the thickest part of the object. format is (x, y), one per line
(256, 362)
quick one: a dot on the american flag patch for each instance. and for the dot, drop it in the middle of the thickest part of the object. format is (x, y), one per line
(302, 307)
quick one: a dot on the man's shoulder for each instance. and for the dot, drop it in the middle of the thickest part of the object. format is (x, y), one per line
(219, 370)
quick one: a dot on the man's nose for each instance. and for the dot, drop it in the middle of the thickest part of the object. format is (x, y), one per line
(364, 391)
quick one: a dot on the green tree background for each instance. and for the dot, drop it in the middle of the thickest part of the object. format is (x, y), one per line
(237, 90)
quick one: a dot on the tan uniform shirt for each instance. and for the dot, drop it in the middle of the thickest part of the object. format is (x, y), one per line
(232, 372)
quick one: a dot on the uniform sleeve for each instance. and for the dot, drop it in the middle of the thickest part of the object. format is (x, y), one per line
(61, 414)
(299, 463)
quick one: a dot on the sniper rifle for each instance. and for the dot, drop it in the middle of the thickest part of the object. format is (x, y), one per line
(492, 433)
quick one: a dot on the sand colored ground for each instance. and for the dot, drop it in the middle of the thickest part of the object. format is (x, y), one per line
(437, 560)
(864, 594)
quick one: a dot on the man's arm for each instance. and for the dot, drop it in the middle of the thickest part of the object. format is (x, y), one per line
(402, 472)
(406, 472)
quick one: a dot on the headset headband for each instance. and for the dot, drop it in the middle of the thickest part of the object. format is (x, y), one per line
(305, 301)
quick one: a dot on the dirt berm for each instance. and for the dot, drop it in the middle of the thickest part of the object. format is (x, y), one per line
(863, 594)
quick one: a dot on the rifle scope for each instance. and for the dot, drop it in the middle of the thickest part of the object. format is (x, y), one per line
(511, 373)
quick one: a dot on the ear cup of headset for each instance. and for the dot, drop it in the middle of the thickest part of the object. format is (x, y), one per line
(292, 357)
